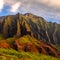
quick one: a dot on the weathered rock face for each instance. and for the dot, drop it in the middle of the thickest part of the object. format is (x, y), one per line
(20, 25)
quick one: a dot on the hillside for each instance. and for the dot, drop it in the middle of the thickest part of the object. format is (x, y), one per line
(29, 34)
(30, 44)
(27, 48)
(19, 25)
(10, 54)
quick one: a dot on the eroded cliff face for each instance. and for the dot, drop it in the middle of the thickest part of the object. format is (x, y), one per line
(20, 25)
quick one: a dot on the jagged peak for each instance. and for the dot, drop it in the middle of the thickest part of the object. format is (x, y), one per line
(28, 14)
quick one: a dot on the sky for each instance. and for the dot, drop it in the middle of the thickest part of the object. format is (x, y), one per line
(48, 9)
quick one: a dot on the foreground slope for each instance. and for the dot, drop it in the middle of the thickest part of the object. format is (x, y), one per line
(26, 48)
(30, 44)
(10, 54)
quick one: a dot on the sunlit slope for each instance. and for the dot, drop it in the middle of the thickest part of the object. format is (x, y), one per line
(30, 44)
(10, 54)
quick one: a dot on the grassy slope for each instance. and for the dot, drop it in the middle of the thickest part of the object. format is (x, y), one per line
(10, 54)
(21, 55)
(27, 39)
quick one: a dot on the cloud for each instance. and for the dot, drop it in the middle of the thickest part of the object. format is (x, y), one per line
(52, 3)
(15, 7)
(9, 2)
(45, 8)
(1, 5)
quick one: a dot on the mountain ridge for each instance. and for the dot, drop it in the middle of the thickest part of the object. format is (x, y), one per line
(36, 26)
(30, 33)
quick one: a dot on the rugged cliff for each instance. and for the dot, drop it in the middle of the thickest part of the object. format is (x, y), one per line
(30, 33)
(20, 25)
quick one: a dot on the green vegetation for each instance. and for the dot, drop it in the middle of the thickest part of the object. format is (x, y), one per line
(11, 40)
(26, 39)
(6, 54)
(1, 37)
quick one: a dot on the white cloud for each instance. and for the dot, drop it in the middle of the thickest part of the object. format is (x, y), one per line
(15, 7)
(52, 3)
(1, 4)
(11, 2)
(44, 8)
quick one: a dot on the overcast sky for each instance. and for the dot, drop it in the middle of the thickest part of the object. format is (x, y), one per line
(49, 9)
